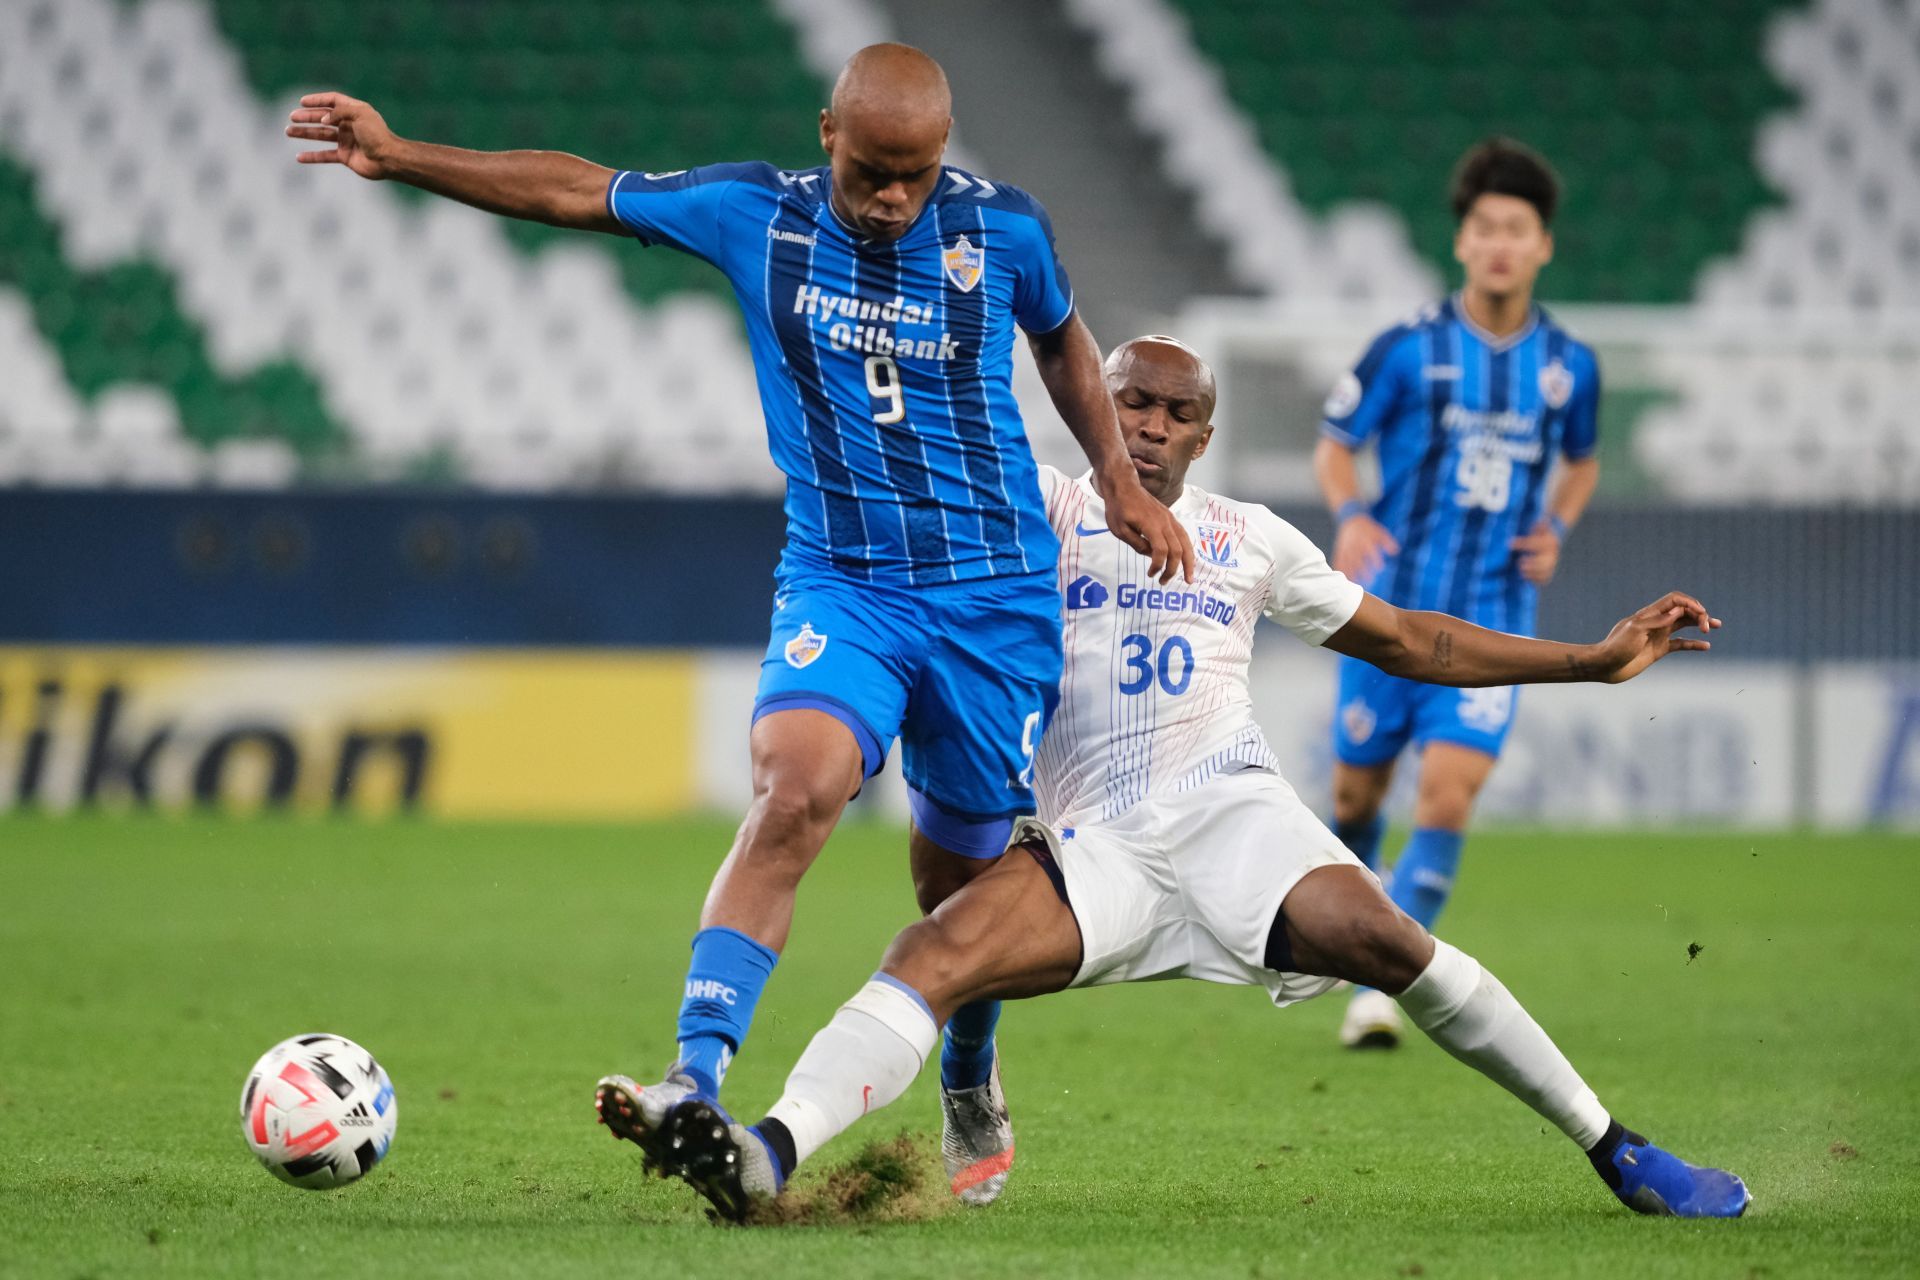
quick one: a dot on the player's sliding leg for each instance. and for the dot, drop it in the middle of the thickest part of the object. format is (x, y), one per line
(1337, 923)
(1007, 935)
(806, 766)
(1372, 1020)
(976, 1132)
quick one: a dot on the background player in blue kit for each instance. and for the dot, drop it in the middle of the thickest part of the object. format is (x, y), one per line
(916, 597)
(1471, 404)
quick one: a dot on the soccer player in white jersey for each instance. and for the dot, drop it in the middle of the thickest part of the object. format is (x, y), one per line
(1169, 846)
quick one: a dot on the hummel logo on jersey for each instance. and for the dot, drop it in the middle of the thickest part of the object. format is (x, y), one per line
(791, 237)
(1085, 532)
(711, 989)
(985, 189)
(1086, 592)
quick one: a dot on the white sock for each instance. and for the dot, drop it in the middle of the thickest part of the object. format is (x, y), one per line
(1473, 1017)
(859, 1062)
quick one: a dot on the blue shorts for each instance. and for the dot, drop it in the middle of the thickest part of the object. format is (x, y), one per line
(966, 675)
(1377, 715)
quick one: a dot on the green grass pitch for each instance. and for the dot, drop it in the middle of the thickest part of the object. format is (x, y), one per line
(1171, 1129)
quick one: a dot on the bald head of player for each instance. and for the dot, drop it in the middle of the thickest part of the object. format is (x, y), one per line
(884, 135)
(1164, 395)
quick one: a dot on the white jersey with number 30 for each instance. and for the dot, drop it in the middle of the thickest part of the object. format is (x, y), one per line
(1154, 694)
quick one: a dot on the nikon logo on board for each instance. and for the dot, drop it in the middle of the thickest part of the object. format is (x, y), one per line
(448, 733)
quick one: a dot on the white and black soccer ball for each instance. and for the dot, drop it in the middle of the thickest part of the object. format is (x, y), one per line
(318, 1111)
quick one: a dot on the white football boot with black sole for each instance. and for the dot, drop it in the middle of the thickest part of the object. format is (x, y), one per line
(1372, 1021)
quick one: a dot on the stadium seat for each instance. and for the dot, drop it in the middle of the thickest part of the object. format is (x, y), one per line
(1365, 99)
(301, 324)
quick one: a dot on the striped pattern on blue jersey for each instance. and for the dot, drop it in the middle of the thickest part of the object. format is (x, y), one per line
(1468, 426)
(885, 370)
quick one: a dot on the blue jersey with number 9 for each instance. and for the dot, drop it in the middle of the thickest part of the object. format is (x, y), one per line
(885, 368)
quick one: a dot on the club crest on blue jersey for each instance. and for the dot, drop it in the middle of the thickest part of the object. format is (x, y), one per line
(1086, 592)
(1556, 384)
(964, 264)
(805, 647)
(1359, 721)
(1216, 545)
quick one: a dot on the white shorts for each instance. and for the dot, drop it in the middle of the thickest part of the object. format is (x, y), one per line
(1187, 885)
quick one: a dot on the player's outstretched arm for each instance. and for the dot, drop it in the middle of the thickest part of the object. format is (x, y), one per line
(1440, 649)
(539, 186)
(1069, 362)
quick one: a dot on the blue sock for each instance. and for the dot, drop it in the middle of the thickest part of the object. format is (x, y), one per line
(724, 981)
(966, 1055)
(1363, 839)
(1423, 878)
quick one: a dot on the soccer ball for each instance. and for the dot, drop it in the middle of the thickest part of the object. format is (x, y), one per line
(318, 1111)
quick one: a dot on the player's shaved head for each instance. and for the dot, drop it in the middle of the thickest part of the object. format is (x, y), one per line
(885, 133)
(1164, 396)
(1165, 361)
(895, 84)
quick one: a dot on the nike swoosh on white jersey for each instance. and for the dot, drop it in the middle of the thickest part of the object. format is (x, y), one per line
(1088, 533)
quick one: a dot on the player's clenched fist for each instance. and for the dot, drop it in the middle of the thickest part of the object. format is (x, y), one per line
(360, 137)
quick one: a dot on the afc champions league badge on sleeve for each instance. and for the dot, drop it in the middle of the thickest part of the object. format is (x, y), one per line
(1344, 398)
(964, 264)
(805, 647)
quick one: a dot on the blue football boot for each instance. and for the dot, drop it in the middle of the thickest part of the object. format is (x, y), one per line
(1649, 1180)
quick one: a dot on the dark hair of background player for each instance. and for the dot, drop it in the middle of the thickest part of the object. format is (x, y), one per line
(1502, 166)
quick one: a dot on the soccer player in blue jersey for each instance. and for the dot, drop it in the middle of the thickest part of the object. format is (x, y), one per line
(1484, 413)
(916, 598)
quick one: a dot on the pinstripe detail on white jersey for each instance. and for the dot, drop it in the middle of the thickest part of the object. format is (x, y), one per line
(1154, 694)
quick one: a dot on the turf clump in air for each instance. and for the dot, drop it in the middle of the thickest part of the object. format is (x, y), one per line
(893, 1180)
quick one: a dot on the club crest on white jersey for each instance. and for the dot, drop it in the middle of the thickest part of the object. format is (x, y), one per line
(1216, 545)
(1155, 692)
